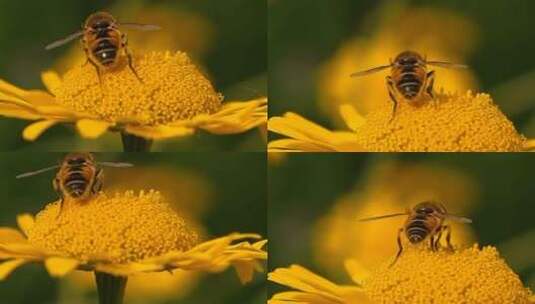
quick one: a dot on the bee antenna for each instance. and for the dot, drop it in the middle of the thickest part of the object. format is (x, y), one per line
(28, 174)
(116, 165)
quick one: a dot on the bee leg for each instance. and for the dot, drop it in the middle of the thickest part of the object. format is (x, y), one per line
(129, 57)
(55, 183)
(93, 64)
(448, 237)
(429, 87)
(97, 183)
(400, 247)
(436, 244)
(392, 94)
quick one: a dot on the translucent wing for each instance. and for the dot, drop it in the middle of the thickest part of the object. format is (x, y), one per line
(370, 71)
(65, 40)
(140, 27)
(459, 219)
(448, 65)
(27, 174)
(380, 217)
(116, 165)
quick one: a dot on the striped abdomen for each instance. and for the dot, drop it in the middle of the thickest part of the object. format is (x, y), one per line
(409, 82)
(104, 48)
(417, 230)
(76, 181)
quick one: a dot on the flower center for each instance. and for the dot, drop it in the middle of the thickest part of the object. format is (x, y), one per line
(471, 275)
(452, 122)
(171, 88)
(122, 228)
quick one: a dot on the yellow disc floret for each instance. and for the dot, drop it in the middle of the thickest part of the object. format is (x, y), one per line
(471, 275)
(121, 228)
(171, 88)
(451, 122)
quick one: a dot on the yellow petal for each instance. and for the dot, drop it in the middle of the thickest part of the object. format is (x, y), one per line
(159, 132)
(90, 128)
(51, 80)
(6, 268)
(9, 235)
(351, 117)
(35, 130)
(244, 270)
(25, 222)
(358, 272)
(14, 111)
(58, 267)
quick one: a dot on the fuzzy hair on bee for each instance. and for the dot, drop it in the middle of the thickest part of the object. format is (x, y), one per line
(79, 177)
(424, 221)
(409, 79)
(103, 41)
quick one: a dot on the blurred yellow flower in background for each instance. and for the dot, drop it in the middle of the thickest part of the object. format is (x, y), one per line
(190, 194)
(174, 100)
(389, 187)
(452, 122)
(471, 275)
(436, 33)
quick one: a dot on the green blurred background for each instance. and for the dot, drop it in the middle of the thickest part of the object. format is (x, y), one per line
(237, 183)
(232, 52)
(305, 34)
(304, 188)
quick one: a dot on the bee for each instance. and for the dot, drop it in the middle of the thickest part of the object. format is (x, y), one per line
(103, 42)
(79, 177)
(409, 77)
(424, 221)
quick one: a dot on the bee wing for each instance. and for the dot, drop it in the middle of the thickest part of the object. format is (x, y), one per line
(27, 174)
(459, 219)
(370, 71)
(116, 165)
(63, 41)
(380, 217)
(140, 27)
(448, 65)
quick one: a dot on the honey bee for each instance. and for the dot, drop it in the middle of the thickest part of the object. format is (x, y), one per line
(409, 77)
(79, 177)
(103, 42)
(424, 221)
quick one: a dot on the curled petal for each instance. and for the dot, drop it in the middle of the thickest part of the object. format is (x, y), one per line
(159, 132)
(6, 268)
(9, 235)
(33, 131)
(25, 222)
(90, 128)
(306, 134)
(51, 80)
(58, 267)
(312, 286)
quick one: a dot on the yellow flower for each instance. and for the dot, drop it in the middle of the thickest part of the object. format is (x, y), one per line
(451, 122)
(173, 100)
(470, 275)
(423, 31)
(186, 191)
(339, 235)
(122, 235)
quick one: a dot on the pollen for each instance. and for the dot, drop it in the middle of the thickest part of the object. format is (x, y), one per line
(451, 122)
(470, 275)
(120, 228)
(170, 88)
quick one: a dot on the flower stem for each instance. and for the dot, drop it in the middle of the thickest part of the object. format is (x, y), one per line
(110, 288)
(132, 143)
